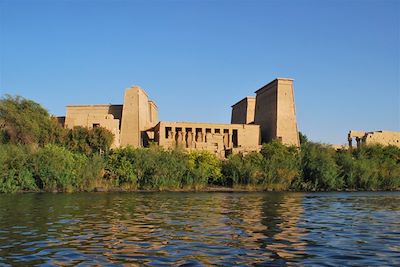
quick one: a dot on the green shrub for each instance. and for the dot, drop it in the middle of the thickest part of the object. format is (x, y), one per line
(347, 169)
(120, 167)
(55, 169)
(281, 165)
(100, 139)
(243, 170)
(24, 121)
(170, 170)
(77, 140)
(89, 171)
(319, 168)
(159, 169)
(88, 141)
(152, 168)
(204, 168)
(372, 167)
(233, 170)
(15, 174)
(274, 168)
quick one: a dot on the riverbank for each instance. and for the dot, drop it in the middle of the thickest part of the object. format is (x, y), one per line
(229, 190)
(314, 167)
(205, 190)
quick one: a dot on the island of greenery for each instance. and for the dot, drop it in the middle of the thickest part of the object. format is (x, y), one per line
(37, 154)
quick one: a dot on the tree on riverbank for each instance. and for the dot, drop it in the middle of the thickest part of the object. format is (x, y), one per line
(26, 122)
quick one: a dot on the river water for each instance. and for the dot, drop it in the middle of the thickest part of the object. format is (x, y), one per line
(200, 229)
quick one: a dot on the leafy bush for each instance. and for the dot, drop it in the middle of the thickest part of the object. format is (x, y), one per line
(159, 169)
(371, 167)
(347, 169)
(243, 169)
(146, 168)
(15, 174)
(170, 170)
(281, 164)
(54, 169)
(204, 169)
(275, 167)
(57, 169)
(24, 121)
(89, 171)
(319, 168)
(120, 167)
(88, 141)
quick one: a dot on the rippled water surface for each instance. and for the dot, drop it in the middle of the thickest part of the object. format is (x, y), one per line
(200, 229)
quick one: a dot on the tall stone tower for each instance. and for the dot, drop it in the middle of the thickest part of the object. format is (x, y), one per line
(275, 112)
(243, 111)
(138, 115)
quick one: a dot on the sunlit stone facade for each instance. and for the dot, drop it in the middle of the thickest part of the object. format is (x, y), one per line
(267, 116)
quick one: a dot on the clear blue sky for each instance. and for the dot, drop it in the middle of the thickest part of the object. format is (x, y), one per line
(197, 58)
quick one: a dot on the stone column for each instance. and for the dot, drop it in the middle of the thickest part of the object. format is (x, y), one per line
(183, 137)
(226, 140)
(189, 139)
(208, 137)
(179, 138)
(200, 138)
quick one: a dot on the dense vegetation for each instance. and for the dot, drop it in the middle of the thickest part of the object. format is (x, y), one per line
(37, 154)
(24, 122)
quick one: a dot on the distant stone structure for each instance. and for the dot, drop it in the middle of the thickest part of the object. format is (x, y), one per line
(128, 122)
(139, 115)
(244, 110)
(90, 116)
(273, 109)
(221, 139)
(267, 116)
(376, 137)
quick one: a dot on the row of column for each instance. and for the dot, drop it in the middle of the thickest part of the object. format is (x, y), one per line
(359, 141)
(183, 137)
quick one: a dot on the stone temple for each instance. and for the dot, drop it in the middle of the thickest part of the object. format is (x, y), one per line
(385, 138)
(269, 115)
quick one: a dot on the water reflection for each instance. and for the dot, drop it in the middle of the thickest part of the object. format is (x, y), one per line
(287, 241)
(241, 229)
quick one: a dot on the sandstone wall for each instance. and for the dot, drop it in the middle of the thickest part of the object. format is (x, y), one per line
(266, 111)
(376, 137)
(243, 111)
(275, 112)
(89, 116)
(138, 115)
(286, 122)
(216, 138)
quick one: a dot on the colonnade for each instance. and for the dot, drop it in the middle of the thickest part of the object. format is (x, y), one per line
(358, 135)
(185, 136)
